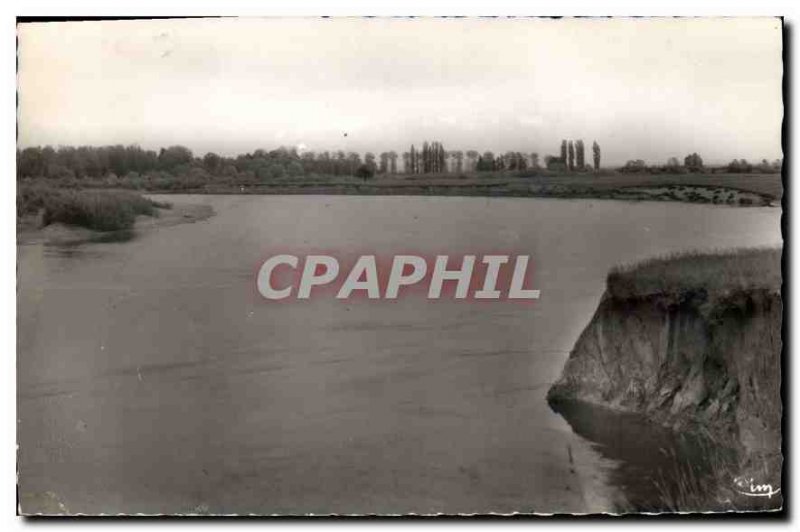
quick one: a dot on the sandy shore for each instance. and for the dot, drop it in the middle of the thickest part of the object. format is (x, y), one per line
(31, 231)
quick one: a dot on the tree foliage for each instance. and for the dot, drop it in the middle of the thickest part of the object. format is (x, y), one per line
(693, 162)
(179, 166)
(571, 156)
(580, 160)
(596, 156)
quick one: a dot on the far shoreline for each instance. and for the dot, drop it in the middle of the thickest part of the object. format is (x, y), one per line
(753, 189)
(705, 188)
(706, 195)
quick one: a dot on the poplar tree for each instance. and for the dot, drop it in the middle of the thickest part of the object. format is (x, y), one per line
(596, 156)
(571, 160)
(384, 159)
(580, 160)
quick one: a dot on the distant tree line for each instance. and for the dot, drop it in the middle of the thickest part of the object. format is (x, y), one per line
(741, 166)
(431, 159)
(511, 160)
(87, 161)
(693, 163)
(573, 157)
(134, 162)
(119, 161)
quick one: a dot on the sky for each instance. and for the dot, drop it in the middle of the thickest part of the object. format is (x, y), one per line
(642, 88)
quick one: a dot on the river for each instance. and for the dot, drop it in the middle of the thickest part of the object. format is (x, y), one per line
(153, 378)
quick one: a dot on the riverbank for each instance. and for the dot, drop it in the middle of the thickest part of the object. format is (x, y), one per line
(682, 193)
(725, 189)
(692, 343)
(57, 216)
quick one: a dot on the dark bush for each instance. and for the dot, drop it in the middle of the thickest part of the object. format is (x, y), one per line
(365, 172)
(100, 210)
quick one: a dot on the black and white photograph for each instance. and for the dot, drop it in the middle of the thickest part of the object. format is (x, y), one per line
(400, 266)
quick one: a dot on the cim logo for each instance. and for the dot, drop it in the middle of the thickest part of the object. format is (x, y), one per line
(750, 488)
(490, 277)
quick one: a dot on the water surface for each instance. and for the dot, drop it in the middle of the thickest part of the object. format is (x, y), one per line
(152, 377)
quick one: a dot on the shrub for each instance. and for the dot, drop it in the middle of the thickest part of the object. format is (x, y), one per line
(693, 162)
(294, 169)
(276, 171)
(365, 172)
(94, 209)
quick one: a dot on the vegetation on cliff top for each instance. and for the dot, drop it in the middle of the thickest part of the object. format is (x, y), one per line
(100, 210)
(686, 276)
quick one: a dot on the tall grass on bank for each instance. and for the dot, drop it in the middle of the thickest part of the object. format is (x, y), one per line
(682, 276)
(100, 210)
(693, 487)
(718, 486)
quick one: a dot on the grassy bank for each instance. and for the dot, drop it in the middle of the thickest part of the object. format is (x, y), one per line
(99, 210)
(684, 276)
(726, 189)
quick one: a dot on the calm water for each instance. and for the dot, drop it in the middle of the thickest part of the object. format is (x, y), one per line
(152, 377)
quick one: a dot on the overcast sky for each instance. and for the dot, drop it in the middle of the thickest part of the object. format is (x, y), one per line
(644, 89)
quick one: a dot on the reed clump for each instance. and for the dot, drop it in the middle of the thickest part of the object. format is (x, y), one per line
(99, 210)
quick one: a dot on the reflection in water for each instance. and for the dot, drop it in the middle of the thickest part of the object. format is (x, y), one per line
(78, 247)
(654, 463)
(123, 235)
